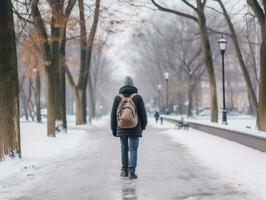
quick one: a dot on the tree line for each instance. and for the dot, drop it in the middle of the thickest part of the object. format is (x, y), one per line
(259, 9)
(173, 45)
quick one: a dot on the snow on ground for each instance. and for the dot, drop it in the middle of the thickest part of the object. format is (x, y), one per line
(234, 162)
(40, 151)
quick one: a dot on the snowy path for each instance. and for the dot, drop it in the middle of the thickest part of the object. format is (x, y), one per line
(166, 170)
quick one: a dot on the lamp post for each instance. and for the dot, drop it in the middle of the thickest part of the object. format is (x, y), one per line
(152, 103)
(101, 110)
(166, 76)
(159, 98)
(222, 45)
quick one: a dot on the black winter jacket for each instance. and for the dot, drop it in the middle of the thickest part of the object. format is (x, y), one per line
(141, 111)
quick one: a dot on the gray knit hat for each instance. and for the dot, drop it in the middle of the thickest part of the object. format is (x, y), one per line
(128, 81)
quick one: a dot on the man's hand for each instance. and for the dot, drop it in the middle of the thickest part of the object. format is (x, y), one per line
(114, 133)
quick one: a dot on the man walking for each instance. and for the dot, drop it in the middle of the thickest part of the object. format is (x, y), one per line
(157, 116)
(128, 120)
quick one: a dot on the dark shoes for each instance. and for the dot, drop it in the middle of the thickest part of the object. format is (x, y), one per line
(133, 176)
(124, 173)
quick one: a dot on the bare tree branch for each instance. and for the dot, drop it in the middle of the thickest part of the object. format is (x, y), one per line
(70, 6)
(190, 5)
(21, 17)
(257, 10)
(174, 11)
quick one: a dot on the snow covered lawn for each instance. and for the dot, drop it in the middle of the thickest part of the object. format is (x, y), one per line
(234, 162)
(40, 151)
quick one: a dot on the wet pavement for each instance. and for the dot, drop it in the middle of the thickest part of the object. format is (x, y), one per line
(166, 170)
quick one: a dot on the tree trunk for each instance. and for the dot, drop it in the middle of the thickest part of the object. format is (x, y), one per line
(9, 93)
(261, 114)
(55, 48)
(50, 93)
(251, 111)
(84, 105)
(79, 107)
(59, 25)
(190, 98)
(50, 101)
(49, 69)
(261, 16)
(25, 105)
(38, 98)
(91, 100)
(29, 102)
(207, 57)
(88, 60)
(79, 112)
(82, 82)
(78, 99)
(63, 78)
(198, 95)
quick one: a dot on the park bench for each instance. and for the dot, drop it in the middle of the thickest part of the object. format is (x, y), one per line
(182, 124)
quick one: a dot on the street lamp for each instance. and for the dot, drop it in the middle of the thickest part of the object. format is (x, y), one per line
(166, 76)
(101, 110)
(159, 93)
(222, 45)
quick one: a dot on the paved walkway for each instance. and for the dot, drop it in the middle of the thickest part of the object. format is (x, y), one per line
(166, 171)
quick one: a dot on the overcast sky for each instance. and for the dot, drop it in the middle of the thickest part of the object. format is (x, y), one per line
(119, 50)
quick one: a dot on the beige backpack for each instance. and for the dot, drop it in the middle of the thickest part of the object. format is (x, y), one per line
(127, 112)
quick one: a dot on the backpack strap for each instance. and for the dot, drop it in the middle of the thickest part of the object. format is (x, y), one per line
(133, 95)
(121, 96)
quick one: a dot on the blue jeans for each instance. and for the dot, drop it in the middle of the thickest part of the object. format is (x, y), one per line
(131, 162)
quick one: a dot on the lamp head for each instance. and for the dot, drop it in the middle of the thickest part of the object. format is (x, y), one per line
(222, 44)
(166, 75)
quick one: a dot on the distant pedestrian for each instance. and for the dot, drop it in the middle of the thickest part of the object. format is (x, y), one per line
(157, 116)
(161, 120)
(128, 120)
